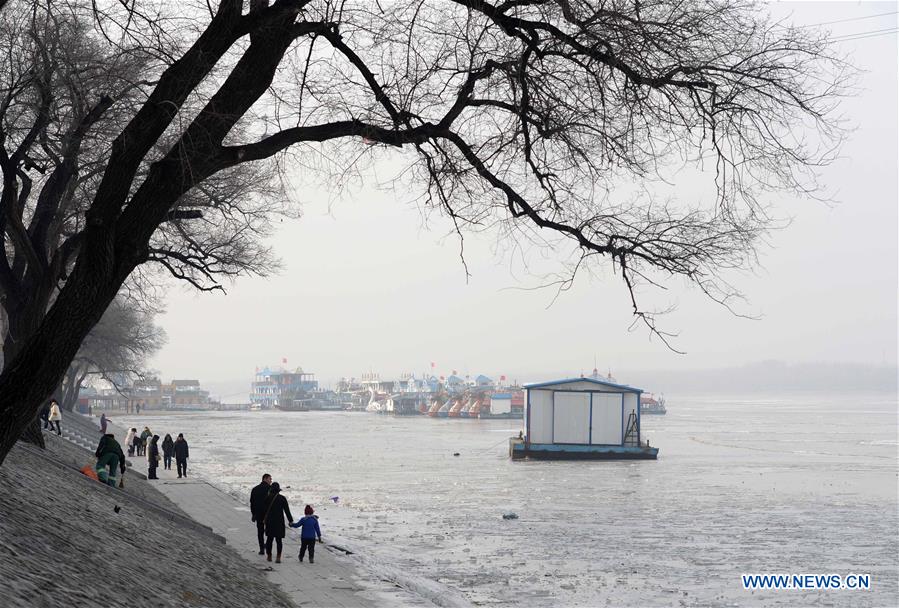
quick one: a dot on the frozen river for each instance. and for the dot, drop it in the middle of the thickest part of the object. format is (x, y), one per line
(794, 484)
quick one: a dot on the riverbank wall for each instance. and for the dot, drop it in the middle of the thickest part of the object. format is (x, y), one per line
(67, 540)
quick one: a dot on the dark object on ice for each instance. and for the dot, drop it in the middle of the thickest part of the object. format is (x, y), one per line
(455, 453)
(510, 516)
(117, 508)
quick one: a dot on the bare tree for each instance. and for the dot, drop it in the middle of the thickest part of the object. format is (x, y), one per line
(116, 349)
(524, 114)
(68, 93)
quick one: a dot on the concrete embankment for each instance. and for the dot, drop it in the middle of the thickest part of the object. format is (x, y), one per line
(66, 540)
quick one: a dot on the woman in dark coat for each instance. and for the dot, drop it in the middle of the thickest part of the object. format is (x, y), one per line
(168, 448)
(275, 510)
(152, 457)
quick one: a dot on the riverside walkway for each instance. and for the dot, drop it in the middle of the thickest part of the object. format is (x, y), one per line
(332, 580)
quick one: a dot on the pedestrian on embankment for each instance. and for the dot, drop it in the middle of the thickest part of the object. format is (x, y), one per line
(153, 457)
(129, 441)
(109, 458)
(55, 416)
(137, 443)
(103, 422)
(309, 532)
(275, 530)
(144, 438)
(182, 453)
(168, 447)
(258, 503)
(45, 415)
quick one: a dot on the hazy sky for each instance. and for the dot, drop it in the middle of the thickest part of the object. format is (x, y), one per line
(367, 287)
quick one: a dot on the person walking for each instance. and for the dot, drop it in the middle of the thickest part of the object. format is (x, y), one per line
(167, 448)
(144, 438)
(258, 503)
(309, 532)
(45, 415)
(275, 530)
(109, 458)
(182, 453)
(103, 422)
(55, 416)
(153, 457)
(129, 440)
(135, 443)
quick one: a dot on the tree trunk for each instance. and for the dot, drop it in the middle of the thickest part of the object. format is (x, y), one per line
(23, 322)
(70, 388)
(33, 434)
(36, 371)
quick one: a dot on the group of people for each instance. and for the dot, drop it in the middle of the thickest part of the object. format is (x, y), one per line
(51, 416)
(147, 444)
(268, 508)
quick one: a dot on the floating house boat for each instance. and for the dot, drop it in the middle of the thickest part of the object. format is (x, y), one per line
(407, 404)
(650, 405)
(502, 406)
(581, 418)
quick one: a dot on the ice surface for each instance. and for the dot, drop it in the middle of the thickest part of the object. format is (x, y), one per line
(798, 483)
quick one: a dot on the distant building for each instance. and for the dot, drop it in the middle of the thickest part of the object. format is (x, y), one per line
(179, 394)
(151, 394)
(186, 392)
(455, 383)
(275, 387)
(483, 382)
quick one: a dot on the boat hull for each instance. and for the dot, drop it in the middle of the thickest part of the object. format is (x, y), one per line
(514, 415)
(292, 408)
(518, 449)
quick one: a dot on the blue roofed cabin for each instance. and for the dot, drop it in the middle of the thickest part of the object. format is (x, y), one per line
(581, 418)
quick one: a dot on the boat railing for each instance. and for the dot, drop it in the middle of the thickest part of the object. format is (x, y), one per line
(630, 435)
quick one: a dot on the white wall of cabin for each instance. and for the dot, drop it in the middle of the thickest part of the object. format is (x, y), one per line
(606, 428)
(571, 418)
(540, 416)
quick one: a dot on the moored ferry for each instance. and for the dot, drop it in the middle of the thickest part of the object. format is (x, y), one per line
(650, 405)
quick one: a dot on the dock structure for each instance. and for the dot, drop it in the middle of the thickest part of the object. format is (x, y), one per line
(581, 418)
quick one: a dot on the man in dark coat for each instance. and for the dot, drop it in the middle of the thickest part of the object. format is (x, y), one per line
(109, 458)
(258, 503)
(45, 414)
(181, 455)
